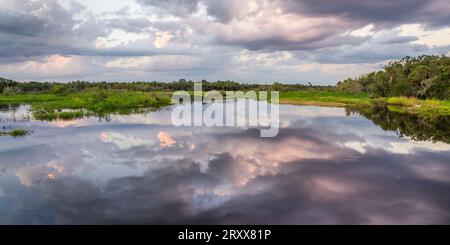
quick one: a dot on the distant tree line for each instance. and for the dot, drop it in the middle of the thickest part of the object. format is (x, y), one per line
(8, 86)
(423, 77)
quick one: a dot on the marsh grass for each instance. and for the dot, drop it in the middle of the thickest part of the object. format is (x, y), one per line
(426, 108)
(90, 102)
(19, 132)
(54, 115)
(323, 98)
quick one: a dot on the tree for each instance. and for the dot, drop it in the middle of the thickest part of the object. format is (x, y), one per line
(4, 83)
(422, 77)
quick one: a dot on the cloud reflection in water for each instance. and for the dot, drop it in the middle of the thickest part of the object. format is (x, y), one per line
(324, 168)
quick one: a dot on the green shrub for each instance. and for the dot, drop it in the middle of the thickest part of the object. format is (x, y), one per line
(58, 89)
(11, 90)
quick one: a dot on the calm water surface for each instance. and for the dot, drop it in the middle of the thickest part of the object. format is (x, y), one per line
(326, 167)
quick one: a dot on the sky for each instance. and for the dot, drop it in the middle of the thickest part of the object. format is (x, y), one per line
(255, 41)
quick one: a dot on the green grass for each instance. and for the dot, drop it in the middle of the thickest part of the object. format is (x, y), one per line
(323, 98)
(97, 102)
(28, 98)
(426, 108)
(20, 132)
(423, 107)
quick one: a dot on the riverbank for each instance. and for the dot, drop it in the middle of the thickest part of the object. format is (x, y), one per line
(102, 102)
(336, 99)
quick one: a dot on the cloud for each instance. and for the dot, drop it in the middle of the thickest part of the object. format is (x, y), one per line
(166, 140)
(56, 32)
(20, 24)
(205, 39)
(384, 12)
(284, 32)
(136, 25)
(30, 176)
(162, 39)
(311, 191)
(181, 8)
(124, 142)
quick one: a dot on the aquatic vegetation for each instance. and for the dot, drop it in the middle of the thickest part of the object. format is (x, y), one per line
(19, 132)
(90, 102)
(323, 98)
(425, 108)
(66, 115)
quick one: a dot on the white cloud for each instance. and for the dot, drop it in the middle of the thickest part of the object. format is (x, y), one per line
(402, 147)
(119, 38)
(166, 140)
(409, 147)
(434, 37)
(161, 63)
(124, 142)
(48, 67)
(365, 31)
(162, 39)
(357, 146)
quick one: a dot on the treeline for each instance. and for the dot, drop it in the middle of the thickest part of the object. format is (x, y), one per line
(424, 77)
(12, 87)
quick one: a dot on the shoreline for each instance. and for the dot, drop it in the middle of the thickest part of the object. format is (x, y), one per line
(46, 106)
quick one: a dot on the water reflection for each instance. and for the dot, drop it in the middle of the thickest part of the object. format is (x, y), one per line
(323, 168)
(435, 128)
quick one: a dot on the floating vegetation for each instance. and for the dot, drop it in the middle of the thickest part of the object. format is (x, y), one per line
(18, 132)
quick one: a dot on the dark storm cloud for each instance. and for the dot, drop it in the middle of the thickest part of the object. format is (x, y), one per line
(383, 45)
(431, 12)
(51, 31)
(22, 51)
(398, 40)
(223, 11)
(20, 24)
(371, 53)
(276, 42)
